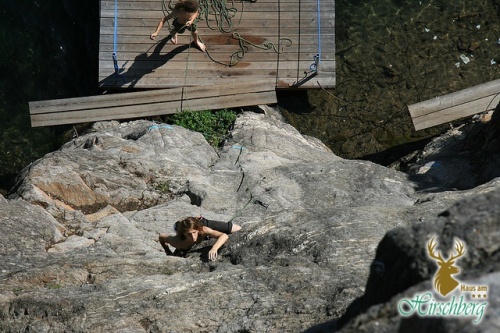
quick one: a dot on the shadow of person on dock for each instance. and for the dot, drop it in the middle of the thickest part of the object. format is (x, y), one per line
(143, 64)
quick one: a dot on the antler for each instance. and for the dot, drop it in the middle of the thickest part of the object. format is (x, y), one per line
(430, 249)
(459, 247)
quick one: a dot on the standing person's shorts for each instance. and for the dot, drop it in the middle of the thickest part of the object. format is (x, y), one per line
(180, 28)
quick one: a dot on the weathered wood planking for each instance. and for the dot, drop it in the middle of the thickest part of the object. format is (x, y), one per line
(155, 64)
(460, 104)
(150, 103)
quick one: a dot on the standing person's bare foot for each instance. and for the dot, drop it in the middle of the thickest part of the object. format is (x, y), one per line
(174, 39)
(200, 45)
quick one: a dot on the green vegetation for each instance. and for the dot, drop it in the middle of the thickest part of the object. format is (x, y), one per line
(214, 125)
(162, 187)
(17, 290)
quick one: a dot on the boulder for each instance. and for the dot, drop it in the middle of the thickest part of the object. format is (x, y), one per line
(402, 269)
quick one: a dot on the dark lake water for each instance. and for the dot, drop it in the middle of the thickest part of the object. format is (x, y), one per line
(390, 54)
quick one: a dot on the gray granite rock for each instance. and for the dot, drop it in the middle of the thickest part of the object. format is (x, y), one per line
(311, 226)
(402, 268)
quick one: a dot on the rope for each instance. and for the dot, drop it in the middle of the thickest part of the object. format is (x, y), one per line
(115, 38)
(487, 107)
(223, 15)
(298, 48)
(155, 126)
(115, 23)
(165, 9)
(224, 23)
(314, 66)
(243, 45)
(279, 36)
(185, 74)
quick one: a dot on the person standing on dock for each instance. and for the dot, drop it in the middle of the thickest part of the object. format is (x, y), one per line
(184, 14)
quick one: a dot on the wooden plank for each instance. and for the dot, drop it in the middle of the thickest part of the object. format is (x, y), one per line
(180, 57)
(175, 50)
(241, 7)
(239, 2)
(142, 43)
(260, 25)
(285, 47)
(133, 111)
(195, 77)
(142, 18)
(456, 98)
(150, 103)
(208, 67)
(308, 82)
(457, 112)
(142, 36)
(144, 97)
(171, 82)
(460, 104)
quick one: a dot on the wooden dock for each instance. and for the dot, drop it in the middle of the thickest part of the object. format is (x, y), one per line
(454, 106)
(279, 42)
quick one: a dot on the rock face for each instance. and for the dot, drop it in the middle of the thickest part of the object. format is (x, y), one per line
(462, 158)
(79, 234)
(402, 253)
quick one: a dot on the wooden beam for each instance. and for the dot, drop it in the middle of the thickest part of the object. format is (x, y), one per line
(460, 104)
(150, 103)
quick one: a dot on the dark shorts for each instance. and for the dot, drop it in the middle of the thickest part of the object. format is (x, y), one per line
(180, 28)
(224, 227)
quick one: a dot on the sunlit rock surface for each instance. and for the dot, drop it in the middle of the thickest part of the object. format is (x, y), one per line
(79, 234)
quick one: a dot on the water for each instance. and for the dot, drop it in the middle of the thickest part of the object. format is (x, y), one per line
(48, 50)
(390, 54)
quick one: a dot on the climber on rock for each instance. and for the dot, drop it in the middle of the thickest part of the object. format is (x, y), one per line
(192, 231)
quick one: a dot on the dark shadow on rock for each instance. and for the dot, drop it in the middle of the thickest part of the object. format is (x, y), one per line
(484, 144)
(429, 184)
(137, 70)
(394, 154)
(402, 261)
(327, 327)
(7, 182)
(460, 159)
(272, 249)
(203, 252)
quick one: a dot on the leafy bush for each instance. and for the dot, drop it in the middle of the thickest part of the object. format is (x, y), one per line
(214, 125)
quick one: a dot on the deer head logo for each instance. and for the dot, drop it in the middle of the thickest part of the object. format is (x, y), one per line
(443, 282)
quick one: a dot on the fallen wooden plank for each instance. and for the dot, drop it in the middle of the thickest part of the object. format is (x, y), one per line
(454, 106)
(150, 103)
